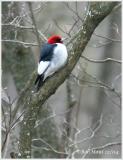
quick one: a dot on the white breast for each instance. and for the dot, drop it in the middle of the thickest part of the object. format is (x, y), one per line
(59, 59)
(60, 54)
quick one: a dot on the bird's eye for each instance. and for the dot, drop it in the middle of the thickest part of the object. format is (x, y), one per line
(59, 40)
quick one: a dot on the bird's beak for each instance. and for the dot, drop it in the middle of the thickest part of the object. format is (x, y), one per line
(62, 40)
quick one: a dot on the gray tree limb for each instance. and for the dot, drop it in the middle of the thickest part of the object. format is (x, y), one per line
(32, 102)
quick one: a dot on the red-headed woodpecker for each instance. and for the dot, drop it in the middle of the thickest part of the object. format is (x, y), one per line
(53, 57)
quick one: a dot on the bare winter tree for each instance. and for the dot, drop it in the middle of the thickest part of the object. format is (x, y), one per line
(29, 116)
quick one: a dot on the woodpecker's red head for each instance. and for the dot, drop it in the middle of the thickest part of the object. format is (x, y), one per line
(55, 39)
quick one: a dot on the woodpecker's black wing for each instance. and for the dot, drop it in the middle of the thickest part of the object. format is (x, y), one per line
(47, 52)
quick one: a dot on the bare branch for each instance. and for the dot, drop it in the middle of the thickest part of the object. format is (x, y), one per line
(72, 27)
(93, 133)
(50, 116)
(72, 10)
(62, 30)
(34, 22)
(17, 26)
(102, 44)
(18, 19)
(111, 39)
(106, 145)
(16, 121)
(4, 118)
(98, 83)
(25, 44)
(102, 60)
(51, 147)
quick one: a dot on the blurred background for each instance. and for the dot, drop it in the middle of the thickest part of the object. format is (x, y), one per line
(83, 118)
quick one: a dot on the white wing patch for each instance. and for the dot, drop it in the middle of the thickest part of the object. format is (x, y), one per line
(42, 66)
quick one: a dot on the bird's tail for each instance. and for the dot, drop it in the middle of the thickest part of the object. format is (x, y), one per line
(39, 81)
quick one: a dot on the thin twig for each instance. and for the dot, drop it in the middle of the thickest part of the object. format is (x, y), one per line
(25, 44)
(102, 44)
(4, 117)
(52, 148)
(14, 123)
(111, 39)
(53, 115)
(72, 10)
(27, 13)
(102, 60)
(74, 24)
(34, 23)
(106, 145)
(17, 26)
(60, 28)
(100, 83)
(93, 132)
